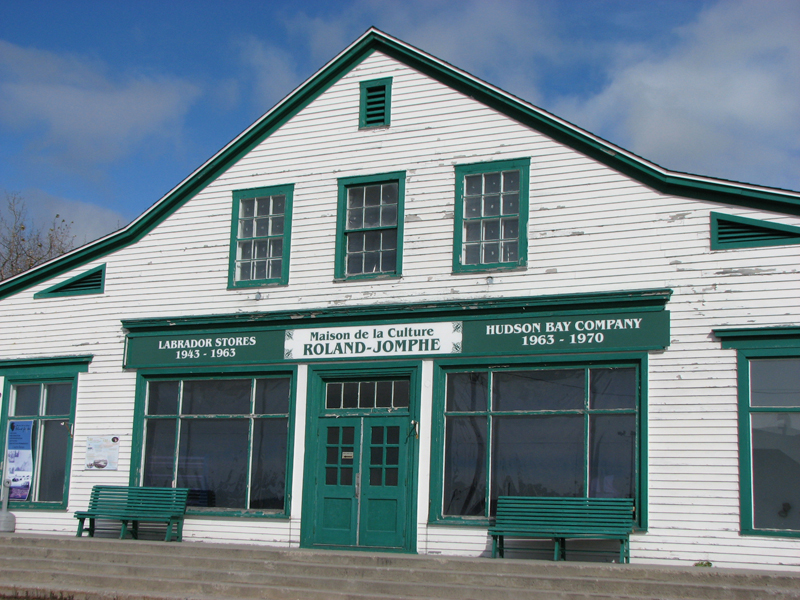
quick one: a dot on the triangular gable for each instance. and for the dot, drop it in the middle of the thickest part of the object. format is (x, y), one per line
(90, 282)
(728, 231)
(648, 173)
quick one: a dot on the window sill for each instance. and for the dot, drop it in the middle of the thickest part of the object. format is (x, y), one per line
(59, 506)
(367, 277)
(478, 269)
(249, 285)
(234, 513)
(771, 533)
(482, 522)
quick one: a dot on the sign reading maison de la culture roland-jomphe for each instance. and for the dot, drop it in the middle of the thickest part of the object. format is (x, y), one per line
(405, 339)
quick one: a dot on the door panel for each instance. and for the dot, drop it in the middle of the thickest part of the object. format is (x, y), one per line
(362, 482)
(337, 510)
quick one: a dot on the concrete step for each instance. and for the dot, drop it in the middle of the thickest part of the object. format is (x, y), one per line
(92, 568)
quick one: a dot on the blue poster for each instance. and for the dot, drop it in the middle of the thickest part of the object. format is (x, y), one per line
(19, 459)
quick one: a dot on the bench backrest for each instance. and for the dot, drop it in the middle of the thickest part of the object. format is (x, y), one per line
(139, 500)
(564, 515)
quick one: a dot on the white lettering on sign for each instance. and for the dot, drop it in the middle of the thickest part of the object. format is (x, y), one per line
(374, 341)
(196, 348)
(545, 333)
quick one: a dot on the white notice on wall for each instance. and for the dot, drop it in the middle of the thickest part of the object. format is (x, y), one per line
(102, 452)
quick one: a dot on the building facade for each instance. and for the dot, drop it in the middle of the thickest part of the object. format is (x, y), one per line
(400, 294)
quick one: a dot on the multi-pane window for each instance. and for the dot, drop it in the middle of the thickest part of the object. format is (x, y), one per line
(568, 432)
(774, 424)
(261, 235)
(491, 206)
(39, 441)
(370, 226)
(225, 439)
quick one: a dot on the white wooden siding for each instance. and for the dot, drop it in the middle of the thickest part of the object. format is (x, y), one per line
(590, 229)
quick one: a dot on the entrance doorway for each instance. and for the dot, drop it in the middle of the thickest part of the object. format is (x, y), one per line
(362, 450)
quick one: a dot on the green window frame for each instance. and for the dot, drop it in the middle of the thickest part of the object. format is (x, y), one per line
(375, 104)
(768, 380)
(261, 229)
(483, 466)
(42, 391)
(369, 226)
(491, 216)
(228, 438)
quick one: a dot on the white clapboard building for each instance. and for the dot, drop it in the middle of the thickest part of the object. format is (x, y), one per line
(401, 294)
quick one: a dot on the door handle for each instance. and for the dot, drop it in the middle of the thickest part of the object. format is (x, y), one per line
(414, 429)
(358, 485)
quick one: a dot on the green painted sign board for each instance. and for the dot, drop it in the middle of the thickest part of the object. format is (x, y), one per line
(515, 335)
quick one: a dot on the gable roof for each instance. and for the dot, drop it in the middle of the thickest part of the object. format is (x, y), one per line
(650, 174)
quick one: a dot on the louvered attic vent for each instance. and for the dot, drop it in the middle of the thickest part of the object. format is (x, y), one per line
(90, 282)
(376, 98)
(728, 231)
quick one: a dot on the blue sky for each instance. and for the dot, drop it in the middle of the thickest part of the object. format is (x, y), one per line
(105, 106)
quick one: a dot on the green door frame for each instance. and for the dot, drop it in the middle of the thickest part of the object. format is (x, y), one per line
(318, 375)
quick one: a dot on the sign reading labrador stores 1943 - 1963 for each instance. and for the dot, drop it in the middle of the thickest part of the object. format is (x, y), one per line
(590, 332)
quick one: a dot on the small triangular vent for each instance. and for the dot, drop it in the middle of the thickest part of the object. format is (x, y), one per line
(728, 231)
(90, 282)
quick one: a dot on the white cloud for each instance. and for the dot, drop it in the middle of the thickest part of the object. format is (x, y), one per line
(723, 101)
(77, 116)
(89, 221)
(274, 71)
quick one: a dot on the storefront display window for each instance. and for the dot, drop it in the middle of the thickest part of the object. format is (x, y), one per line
(568, 432)
(225, 439)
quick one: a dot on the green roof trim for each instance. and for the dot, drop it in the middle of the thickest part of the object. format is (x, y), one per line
(728, 231)
(373, 40)
(91, 282)
(651, 299)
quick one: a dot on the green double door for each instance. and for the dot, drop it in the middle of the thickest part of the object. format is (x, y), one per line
(360, 465)
(362, 482)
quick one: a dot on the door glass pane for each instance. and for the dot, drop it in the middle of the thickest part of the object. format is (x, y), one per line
(612, 388)
(401, 393)
(159, 453)
(268, 481)
(467, 391)
(465, 466)
(612, 440)
(55, 442)
(776, 470)
(559, 389)
(26, 400)
(58, 399)
(216, 397)
(213, 459)
(537, 456)
(775, 382)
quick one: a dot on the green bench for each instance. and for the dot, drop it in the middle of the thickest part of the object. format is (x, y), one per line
(563, 518)
(130, 505)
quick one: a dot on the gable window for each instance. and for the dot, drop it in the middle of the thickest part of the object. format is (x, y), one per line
(370, 226)
(376, 101)
(227, 440)
(566, 432)
(260, 236)
(491, 215)
(37, 425)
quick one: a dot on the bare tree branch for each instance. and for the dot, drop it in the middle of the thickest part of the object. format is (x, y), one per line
(23, 244)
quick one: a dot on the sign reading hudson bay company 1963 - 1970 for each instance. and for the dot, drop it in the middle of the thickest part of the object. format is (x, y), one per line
(516, 335)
